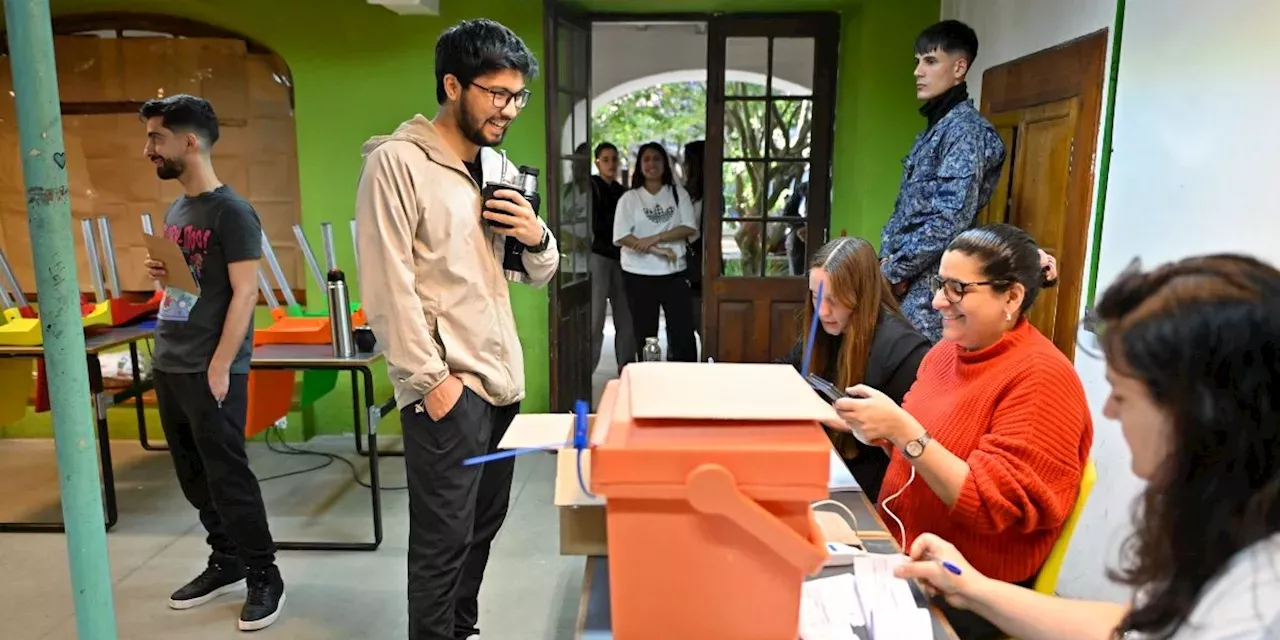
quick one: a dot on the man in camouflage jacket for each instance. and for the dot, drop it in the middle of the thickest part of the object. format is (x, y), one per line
(948, 176)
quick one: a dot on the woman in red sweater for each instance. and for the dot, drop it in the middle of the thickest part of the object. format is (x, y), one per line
(990, 443)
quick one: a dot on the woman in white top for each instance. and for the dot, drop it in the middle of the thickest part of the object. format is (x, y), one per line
(654, 221)
(1193, 359)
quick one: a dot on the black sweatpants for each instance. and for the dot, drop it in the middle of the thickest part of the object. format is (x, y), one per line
(670, 293)
(455, 511)
(206, 443)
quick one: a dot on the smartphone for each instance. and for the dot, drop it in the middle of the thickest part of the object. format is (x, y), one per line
(825, 388)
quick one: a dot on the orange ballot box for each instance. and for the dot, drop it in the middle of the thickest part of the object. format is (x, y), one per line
(707, 472)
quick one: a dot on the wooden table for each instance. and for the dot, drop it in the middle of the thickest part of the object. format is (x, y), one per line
(594, 614)
(303, 357)
(96, 342)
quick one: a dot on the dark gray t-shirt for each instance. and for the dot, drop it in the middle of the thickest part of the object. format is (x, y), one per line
(214, 228)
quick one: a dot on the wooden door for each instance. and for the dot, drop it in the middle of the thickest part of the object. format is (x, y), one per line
(1041, 198)
(1048, 108)
(568, 202)
(768, 175)
(997, 209)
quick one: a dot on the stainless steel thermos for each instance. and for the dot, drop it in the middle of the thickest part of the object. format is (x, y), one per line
(340, 316)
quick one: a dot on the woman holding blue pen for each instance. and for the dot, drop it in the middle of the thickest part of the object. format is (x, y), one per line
(1193, 358)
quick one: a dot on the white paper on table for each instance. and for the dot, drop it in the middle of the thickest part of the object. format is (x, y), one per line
(829, 609)
(890, 606)
(841, 479)
(901, 624)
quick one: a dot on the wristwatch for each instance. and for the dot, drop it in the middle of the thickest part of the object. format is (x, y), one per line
(541, 246)
(915, 448)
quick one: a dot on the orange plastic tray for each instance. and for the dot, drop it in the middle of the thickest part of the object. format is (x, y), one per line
(711, 533)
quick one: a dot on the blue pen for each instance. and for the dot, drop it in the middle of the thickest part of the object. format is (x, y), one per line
(950, 567)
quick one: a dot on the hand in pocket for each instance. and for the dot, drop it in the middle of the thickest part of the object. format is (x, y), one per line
(441, 400)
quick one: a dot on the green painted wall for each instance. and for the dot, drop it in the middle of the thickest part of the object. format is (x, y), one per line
(359, 70)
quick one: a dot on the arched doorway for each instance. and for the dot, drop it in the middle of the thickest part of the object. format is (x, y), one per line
(108, 65)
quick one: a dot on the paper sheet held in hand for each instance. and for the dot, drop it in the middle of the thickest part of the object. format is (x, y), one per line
(177, 274)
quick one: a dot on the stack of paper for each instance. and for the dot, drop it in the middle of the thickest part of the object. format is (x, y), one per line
(829, 609)
(891, 609)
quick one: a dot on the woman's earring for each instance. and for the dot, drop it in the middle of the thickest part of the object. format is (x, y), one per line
(1008, 317)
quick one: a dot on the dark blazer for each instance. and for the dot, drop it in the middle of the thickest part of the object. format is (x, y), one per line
(896, 352)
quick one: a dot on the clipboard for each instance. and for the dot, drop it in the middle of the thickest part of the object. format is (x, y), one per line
(167, 251)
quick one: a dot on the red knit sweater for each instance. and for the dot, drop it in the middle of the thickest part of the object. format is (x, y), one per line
(1016, 412)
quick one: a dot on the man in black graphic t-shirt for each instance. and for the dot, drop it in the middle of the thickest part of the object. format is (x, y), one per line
(204, 340)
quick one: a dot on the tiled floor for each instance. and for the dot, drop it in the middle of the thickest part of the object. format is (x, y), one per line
(530, 593)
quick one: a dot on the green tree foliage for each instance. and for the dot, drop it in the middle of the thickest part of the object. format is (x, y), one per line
(671, 114)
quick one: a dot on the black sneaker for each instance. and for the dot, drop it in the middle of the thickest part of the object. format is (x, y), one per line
(266, 598)
(217, 579)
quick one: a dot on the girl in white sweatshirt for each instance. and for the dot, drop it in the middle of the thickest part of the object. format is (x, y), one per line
(654, 221)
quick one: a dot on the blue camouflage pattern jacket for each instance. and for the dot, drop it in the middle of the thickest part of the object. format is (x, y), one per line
(947, 178)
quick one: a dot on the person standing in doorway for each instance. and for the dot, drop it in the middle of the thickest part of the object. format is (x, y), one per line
(607, 289)
(948, 176)
(435, 259)
(203, 343)
(694, 181)
(653, 225)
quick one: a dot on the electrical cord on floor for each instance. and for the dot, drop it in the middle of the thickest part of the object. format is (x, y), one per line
(289, 450)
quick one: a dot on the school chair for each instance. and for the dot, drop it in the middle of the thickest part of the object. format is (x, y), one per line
(1047, 581)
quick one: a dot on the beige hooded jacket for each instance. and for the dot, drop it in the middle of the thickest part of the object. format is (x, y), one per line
(431, 276)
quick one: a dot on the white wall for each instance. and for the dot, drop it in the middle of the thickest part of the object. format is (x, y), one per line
(1188, 176)
(1010, 29)
(1193, 169)
(622, 53)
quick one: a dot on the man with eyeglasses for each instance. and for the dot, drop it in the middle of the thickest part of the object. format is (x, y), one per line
(434, 287)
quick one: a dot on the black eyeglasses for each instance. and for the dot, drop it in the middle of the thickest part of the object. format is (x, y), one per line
(502, 97)
(954, 290)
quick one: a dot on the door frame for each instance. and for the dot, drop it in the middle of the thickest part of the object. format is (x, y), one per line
(553, 12)
(1073, 69)
(555, 8)
(821, 154)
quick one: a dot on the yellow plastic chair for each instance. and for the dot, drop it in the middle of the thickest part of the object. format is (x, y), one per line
(1047, 581)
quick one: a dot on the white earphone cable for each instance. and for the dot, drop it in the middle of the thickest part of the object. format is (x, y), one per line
(885, 505)
(853, 520)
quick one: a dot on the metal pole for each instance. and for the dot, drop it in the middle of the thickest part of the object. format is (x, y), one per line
(309, 255)
(265, 288)
(35, 85)
(109, 251)
(11, 281)
(270, 255)
(95, 266)
(355, 245)
(330, 254)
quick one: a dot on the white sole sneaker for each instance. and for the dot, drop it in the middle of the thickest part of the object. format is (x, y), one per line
(181, 605)
(265, 622)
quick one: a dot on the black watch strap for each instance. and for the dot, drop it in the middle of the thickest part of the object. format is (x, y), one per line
(541, 246)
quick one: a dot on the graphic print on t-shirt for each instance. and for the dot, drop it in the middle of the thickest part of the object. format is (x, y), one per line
(176, 304)
(658, 214)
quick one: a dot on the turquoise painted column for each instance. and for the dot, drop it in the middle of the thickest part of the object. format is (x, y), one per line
(35, 85)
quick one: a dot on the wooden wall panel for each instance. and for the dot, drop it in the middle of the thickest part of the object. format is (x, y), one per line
(106, 170)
